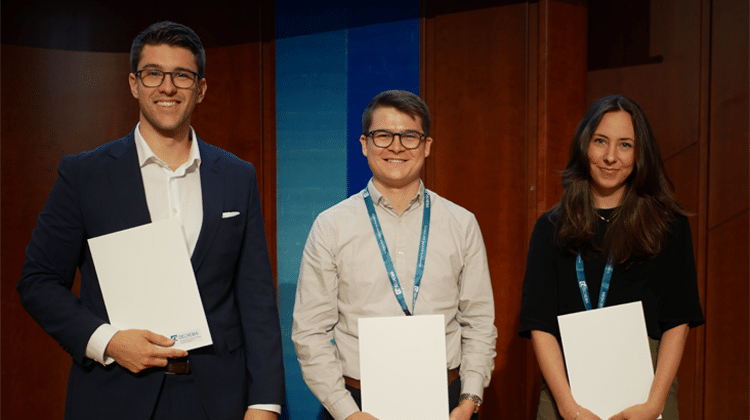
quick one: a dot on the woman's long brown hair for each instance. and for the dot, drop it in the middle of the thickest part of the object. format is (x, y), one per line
(639, 227)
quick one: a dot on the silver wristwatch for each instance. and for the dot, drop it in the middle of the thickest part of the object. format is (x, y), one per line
(477, 401)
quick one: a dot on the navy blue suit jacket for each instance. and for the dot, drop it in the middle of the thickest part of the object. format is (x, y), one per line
(101, 192)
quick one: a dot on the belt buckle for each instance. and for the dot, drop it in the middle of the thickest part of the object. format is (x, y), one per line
(177, 366)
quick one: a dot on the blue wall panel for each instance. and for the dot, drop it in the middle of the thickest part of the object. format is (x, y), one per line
(332, 57)
(381, 57)
(311, 169)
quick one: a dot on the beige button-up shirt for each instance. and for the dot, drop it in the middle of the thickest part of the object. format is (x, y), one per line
(343, 278)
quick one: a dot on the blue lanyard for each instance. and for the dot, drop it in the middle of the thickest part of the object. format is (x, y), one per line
(606, 278)
(387, 256)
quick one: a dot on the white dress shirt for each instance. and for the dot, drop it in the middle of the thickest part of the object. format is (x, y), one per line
(169, 194)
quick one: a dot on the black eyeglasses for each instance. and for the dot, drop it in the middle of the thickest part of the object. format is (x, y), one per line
(183, 79)
(410, 139)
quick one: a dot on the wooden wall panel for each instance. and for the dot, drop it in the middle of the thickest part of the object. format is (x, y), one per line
(488, 110)
(53, 103)
(230, 115)
(669, 92)
(730, 85)
(727, 296)
(682, 168)
(727, 343)
(560, 97)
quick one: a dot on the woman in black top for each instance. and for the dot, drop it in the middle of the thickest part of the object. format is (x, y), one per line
(616, 204)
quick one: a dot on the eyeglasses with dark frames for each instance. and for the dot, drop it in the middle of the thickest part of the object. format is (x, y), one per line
(410, 139)
(183, 79)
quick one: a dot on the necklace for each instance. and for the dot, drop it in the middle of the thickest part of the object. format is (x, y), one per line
(612, 213)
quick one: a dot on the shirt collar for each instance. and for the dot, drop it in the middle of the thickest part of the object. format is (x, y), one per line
(378, 198)
(146, 155)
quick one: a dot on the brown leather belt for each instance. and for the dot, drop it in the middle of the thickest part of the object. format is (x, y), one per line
(177, 366)
(354, 383)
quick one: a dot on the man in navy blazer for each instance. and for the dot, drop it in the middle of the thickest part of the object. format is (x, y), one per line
(161, 170)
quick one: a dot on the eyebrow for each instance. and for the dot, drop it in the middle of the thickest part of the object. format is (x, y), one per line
(160, 67)
(621, 138)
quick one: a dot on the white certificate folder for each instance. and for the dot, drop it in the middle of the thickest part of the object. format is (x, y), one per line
(608, 358)
(403, 367)
(148, 282)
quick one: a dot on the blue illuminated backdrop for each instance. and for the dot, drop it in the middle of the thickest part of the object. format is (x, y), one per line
(332, 57)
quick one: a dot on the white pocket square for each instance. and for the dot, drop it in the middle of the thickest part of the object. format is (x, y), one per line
(229, 214)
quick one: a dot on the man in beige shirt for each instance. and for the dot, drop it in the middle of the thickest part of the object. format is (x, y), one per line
(429, 246)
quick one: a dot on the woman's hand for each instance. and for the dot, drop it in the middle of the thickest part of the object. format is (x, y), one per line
(668, 360)
(583, 414)
(644, 411)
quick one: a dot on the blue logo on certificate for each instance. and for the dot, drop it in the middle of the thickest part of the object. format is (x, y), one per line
(186, 337)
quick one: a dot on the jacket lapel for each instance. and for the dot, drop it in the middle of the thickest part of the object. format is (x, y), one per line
(125, 178)
(212, 190)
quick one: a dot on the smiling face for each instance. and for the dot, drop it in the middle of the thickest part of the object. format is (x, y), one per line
(166, 109)
(395, 167)
(611, 156)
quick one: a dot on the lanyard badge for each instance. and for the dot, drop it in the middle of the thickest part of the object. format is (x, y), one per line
(606, 278)
(387, 256)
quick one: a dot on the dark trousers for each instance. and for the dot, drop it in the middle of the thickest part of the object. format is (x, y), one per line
(179, 399)
(454, 391)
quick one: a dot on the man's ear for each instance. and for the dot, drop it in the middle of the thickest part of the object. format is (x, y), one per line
(133, 81)
(363, 140)
(202, 88)
(427, 146)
